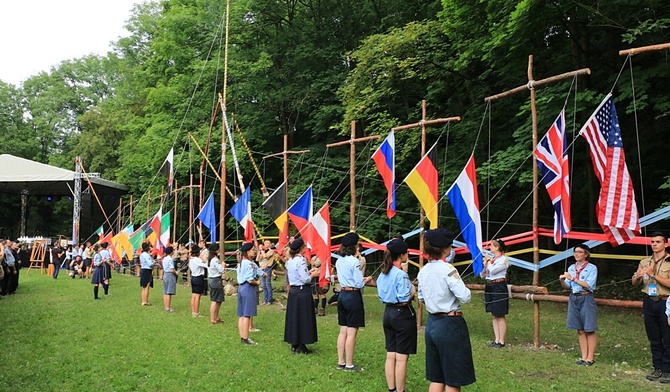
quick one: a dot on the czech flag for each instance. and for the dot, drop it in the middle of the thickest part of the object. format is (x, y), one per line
(465, 201)
(301, 211)
(384, 159)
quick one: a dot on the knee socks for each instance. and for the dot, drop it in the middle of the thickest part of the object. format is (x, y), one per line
(105, 286)
(316, 303)
(95, 292)
(323, 303)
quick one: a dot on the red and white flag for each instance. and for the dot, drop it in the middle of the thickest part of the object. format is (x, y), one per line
(318, 237)
(617, 211)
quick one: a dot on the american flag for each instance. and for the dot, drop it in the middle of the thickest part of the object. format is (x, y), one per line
(617, 211)
(552, 160)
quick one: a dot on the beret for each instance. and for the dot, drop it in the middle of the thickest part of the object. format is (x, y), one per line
(297, 244)
(583, 246)
(397, 246)
(246, 246)
(440, 238)
(195, 249)
(213, 247)
(350, 239)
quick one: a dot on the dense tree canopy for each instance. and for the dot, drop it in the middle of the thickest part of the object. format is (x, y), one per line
(307, 68)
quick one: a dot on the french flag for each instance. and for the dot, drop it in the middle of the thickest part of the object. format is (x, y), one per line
(241, 210)
(301, 211)
(465, 202)
(384, 159)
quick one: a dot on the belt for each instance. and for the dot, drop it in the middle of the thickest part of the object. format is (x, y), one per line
(299, 287)
(583, 292)
(657, 298)
(351, 289)
(497, 280)
(453, 313)
(399, 304)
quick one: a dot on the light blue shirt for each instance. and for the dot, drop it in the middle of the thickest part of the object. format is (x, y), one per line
(441, 287)
(196, 266)
(296, 271)
(106, 256)
(168, 264)
(215, 269)
(589, 275)
(349, 272)
(9, 258)
(394, 286)
(97, 259)
(146, 262)
(497, 268)
(247, 270)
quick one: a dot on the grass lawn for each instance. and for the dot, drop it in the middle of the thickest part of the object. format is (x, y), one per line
(55, 337)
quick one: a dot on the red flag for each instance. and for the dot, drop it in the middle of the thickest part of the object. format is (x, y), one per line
(617, 211)
(318, 230)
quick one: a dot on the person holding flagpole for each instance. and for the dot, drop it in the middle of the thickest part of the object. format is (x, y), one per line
(197, 267)
(496, 297)
(350, 310)
(248, 276)
(582, 310)
(300, 322)
(146, 272)
(397, 292)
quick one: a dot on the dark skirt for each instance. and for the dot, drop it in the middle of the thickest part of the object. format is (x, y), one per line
(97, 275)
(146, 278)
(106, 271)
(247, 300)
(300, 323)
(496, 298)
(216, 290)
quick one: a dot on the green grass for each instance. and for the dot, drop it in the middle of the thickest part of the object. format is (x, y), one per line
(56, 338)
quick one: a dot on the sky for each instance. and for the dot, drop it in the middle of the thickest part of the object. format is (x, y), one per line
(38, 34)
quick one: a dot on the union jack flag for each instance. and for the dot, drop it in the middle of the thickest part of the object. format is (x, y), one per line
(617, 211)
(552, 160)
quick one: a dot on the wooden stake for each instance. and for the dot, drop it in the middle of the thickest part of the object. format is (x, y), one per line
(650, 48)
(352, 169)
(536, 252)
(423, 124)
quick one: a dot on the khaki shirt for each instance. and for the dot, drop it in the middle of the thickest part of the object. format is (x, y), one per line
(662, 269)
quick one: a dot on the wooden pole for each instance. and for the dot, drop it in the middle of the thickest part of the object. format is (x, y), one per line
(119, 215)
(148, 203)
(536, 242)
(352, 170)
(642, 49)
(422, 214)
(174, 214)
(130, 207)
(190, 208)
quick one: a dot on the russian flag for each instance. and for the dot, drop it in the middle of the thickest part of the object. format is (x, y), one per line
(465, 202)
(384, 159)
(301, 211)
(241, 211)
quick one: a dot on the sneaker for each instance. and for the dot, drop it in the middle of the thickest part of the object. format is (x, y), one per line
(196, 315)
(249, 342)
(590, 363)
(322, 312)
(340, 366)
(580, 362)
(665, 378)
(354, 368)
(500, 345)
(655, 375)
(254, 330)
(493, 344)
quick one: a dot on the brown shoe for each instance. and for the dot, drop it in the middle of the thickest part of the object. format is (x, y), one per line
(322, 312)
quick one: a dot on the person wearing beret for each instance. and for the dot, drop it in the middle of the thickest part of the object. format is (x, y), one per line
(197, 267)
(580, 279)
(97, 278)
(248, 276)
(496, 298)
(448, 348)
(396, 292)
(300, 322)
(215, 273)
(350, 311)
(107, 265)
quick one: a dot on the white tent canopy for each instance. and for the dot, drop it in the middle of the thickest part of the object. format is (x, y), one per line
(18, 175)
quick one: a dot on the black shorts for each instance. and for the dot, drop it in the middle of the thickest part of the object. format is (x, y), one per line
(350, 311)
(146, 278)
(400, 329)
(198, 285)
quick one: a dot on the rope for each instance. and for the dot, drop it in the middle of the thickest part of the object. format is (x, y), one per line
(251, 157)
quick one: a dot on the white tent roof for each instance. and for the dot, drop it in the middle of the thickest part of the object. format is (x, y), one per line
(19, 174)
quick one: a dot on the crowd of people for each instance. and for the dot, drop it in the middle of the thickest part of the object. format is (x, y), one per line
(449, 364)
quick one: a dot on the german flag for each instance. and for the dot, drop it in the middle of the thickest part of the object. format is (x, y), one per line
(422, 180)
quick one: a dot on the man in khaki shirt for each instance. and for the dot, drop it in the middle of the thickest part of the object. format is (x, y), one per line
(654, 274)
